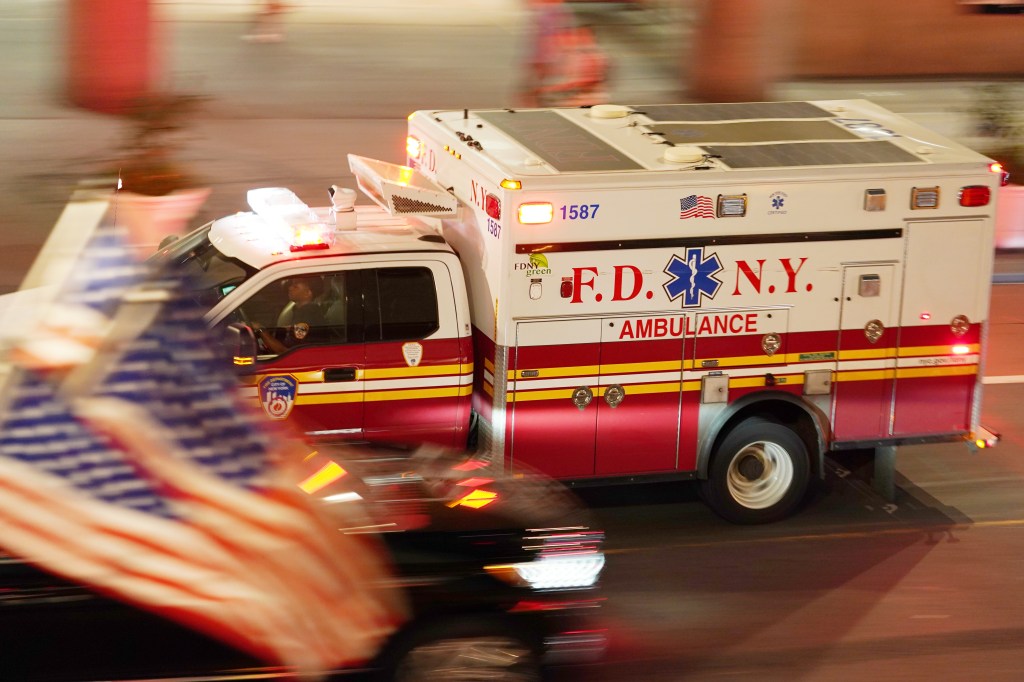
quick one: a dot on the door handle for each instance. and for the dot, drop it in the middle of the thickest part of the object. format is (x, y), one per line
(582, 396)
(340, 374)
(614, 395)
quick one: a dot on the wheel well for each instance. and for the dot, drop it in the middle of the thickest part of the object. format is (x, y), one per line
(785, 412)
(459, 622)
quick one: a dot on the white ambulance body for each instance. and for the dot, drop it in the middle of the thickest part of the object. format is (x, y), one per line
(719, 291)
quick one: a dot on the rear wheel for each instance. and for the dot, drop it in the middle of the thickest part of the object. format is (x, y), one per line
(758, 473)
(463, 651)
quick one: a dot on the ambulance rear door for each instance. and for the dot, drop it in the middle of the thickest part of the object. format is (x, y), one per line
(946, 290)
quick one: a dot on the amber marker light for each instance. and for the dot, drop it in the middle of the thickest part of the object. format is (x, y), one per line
(328, 474)
(475, 499)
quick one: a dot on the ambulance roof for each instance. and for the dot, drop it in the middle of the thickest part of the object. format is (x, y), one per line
(673, 137)
(248, 237)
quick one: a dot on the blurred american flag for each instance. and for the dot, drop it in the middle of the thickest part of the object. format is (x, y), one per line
(127, 463)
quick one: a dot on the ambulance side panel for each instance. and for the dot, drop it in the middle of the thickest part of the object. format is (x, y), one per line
(818, 294)
(481, 242)
(809, 298)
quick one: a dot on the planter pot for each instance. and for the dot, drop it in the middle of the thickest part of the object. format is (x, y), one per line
(152, 218)
(1010, 218)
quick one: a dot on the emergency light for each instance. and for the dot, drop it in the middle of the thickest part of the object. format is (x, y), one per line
(291, 219)
(536, 213)
(413, 147)
(996, 167)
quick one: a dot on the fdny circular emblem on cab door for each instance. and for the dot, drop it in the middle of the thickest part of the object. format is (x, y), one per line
(277, 395)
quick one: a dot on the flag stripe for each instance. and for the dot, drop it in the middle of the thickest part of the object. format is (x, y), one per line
(284, 546)
(694, 206)
(140, 473)
(97, 550)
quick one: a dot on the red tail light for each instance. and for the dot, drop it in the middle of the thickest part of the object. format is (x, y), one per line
(975, 195)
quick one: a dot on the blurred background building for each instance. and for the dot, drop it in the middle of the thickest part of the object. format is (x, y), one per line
(347, 73)
(720, 49)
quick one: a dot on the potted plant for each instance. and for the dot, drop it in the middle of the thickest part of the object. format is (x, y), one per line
(1000, 132)
(157, 194)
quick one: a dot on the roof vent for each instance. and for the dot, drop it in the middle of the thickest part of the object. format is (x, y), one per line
(684, 155)
(609, 111)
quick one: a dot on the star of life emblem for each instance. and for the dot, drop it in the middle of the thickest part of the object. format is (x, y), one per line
(693, 278)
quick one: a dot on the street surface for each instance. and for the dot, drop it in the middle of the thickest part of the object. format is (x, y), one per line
(930, 587)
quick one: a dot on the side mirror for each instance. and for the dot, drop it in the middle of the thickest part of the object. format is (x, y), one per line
(240, 344)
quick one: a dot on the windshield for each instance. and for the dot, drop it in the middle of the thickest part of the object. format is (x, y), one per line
(209, 274)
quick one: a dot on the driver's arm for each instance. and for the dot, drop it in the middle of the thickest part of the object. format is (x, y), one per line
(269, 341)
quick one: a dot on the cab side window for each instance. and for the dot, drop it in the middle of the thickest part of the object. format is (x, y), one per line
(401, 304)
(300, 310)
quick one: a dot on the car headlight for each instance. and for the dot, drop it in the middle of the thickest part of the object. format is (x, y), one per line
(564, 560)
(562, 572)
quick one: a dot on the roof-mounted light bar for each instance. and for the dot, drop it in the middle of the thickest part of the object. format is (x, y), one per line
(291, 219)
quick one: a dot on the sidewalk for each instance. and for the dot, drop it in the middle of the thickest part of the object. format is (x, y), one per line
(389, 12)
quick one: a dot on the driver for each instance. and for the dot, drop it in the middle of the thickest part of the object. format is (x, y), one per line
(300, 319)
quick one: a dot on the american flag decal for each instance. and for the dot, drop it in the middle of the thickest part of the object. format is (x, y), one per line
(695, 206)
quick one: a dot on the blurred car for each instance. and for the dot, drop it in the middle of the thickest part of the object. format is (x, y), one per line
(501, 576)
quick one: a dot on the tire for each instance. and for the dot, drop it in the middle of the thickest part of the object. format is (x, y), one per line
(758, 473)
(462, 651)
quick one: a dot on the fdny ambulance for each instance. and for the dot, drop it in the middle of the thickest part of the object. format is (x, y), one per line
(723, 292)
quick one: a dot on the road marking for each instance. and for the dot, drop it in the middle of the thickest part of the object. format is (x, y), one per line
(817, 537)
(1009, 379)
